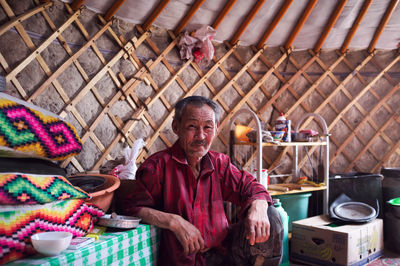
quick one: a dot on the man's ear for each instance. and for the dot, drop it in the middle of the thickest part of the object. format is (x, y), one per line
(175, 126)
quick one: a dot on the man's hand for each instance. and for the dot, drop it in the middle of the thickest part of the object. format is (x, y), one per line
(188, 235)
(257, 222)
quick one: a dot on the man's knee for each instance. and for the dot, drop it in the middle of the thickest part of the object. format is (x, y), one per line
(266, 253)
(275, 221)
(276, 230)
(272, 250)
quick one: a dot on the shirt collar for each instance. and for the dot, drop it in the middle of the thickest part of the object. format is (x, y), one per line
(178, 154)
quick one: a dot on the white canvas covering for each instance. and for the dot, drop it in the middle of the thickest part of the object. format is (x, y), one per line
(136, 11)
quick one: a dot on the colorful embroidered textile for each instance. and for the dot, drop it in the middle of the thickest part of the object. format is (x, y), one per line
(18, 188)
(29, 129)
(18, 225)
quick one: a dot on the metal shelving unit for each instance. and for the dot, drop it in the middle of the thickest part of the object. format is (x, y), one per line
(259, 146)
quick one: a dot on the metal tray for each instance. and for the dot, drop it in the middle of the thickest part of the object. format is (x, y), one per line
(355, 211)
(119, 221)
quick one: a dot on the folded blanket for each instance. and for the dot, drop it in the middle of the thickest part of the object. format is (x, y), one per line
(19, 222)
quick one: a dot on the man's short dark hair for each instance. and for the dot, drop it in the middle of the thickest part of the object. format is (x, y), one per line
(196, 101)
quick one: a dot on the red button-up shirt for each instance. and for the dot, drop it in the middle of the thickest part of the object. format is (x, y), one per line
(165, 182)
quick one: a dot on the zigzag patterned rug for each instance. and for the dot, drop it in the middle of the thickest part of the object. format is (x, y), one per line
(25, 129)
(16, 226)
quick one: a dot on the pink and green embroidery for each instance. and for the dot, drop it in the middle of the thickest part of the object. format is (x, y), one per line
(25, 129)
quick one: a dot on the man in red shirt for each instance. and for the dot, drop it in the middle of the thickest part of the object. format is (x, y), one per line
(182, 190)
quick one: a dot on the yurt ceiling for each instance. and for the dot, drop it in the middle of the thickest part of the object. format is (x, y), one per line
(303, 24)
(113, 70)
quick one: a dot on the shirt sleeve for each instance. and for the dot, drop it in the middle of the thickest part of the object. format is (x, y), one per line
(146, 191)
(240, 187)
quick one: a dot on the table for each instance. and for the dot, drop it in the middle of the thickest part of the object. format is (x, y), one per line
(138, 246)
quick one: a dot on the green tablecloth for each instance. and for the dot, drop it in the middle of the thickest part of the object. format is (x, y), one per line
(132, 247)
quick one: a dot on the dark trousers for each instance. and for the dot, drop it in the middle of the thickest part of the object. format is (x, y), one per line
(240, 252)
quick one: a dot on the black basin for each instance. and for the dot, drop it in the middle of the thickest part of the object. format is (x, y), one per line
(88, 183)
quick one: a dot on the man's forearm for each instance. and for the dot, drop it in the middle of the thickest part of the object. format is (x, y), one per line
(156, 217)
(259, 205)
(187, 234)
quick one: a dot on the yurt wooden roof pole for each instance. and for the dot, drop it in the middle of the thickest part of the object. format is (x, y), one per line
(247, 21)
(5, 27)
(382, 24)
(77, 4)
(329, 26)
(355, 26)
(154, 15)
(307, 11)
(274, 22)
(188, 16)
(113, 9)
(223, 13)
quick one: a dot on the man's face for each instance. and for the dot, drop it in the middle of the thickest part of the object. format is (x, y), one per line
(196, 131)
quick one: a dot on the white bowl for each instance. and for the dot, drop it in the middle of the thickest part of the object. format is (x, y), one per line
(51, 243)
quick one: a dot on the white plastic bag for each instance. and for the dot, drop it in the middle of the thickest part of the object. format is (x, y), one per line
(187, 44)
(205, 34)
(198, 45)
(128, 170)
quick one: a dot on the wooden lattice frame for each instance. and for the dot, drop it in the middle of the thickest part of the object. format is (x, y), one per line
(126, 88)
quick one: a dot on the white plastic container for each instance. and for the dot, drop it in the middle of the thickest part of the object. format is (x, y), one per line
(264, 177)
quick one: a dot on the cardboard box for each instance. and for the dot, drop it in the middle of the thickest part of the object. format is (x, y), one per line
(320, 241)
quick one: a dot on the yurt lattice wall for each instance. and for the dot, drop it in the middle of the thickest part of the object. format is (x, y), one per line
(117, 82)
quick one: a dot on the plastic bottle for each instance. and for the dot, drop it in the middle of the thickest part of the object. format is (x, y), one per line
(280, 122)
(288, 131)
(285, 222)
(264, 177)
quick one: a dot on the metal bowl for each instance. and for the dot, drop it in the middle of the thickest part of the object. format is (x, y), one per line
(119, 221)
